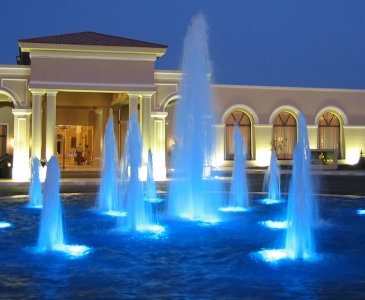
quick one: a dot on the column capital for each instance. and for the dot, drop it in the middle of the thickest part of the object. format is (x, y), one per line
(99, 110)
(21, 112)
(147, 94)
(51, 92)
(37, 92)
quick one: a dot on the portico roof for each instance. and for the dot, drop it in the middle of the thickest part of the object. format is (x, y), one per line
(92, 39)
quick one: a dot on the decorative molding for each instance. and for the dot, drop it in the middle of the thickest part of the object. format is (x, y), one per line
(241, 107)
(284, 108)
(333, 109)
(15, 87)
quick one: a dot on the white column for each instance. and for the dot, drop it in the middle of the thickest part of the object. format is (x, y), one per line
(99, 136)
(21, 170)
(36, 124)
(158, 142)
(133, 103)
(146, 124)
(51, 124)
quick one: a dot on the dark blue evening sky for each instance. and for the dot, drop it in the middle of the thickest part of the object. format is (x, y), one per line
(303, 43)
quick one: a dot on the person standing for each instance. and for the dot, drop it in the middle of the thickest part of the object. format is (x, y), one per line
(79, 153)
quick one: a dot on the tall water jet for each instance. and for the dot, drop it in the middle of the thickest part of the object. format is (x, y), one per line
(139, 211)
(272, 180)
(194, 133)
(107, 199)
(302, 211)
(238, 196)
(151, 192)
(35, 187)
(51, 228)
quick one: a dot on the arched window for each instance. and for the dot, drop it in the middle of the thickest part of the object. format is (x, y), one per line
(244, 125)
(284, 135)
(329, 132)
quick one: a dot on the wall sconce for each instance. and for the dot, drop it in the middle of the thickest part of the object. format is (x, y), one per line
(12, 143)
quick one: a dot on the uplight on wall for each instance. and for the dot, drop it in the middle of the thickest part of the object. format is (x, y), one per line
(12, 143)
(263, 156)
(352, 156)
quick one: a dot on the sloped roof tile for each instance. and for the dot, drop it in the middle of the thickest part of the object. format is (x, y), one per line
(91, 38)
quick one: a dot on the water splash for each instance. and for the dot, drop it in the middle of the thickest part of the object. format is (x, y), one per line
(51, 227)
(302, 211)
(139, 212)
(192, 195)
(107, 199)
(272, 180)
(238, 196)
(35, 187)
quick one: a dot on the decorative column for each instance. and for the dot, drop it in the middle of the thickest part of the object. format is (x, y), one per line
(36, 124)
(98, 141)
(146, 124)
(133, 103)
(51, 124)
(21, 170)
(158, 142)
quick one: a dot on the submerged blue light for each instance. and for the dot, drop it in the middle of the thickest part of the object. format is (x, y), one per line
(5, 224)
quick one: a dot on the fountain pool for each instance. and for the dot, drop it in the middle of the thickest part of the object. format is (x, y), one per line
(189, 260)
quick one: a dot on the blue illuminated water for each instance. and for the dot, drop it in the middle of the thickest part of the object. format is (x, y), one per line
(302, 212)
(35, 187)
(190, 260)
(139, 212)
(238, 196)
(107, 200)
(190, 194)
(272, 180)
(51, 222)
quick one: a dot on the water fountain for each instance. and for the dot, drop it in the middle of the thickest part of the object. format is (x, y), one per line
(107, 200)
(51, 229)
(35, 187)
(302, 211)
(189, 194)
(51, 225)
(238, 196)
(139, 212)
(151, 191)
(272, 181)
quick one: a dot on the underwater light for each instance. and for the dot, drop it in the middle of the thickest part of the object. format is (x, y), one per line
(270, 201)
(273, 255)
(73, 250)
(5, 224)
(233, 209)
(152, 228)
(114, 213)
(361, 211)
(34, 206)
(205, 218)
(275, 224)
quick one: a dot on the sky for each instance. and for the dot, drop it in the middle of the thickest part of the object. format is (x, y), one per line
(292, 43)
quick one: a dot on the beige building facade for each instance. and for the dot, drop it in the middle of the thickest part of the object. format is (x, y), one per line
(65, 88)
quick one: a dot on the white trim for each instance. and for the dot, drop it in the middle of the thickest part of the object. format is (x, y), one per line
(20, 102)
(159, 114)
(332, 109)
(21, 112)
(57, 85)
(14, 70)
(93, 55)
(168, 75)
(246, 109)
(284, 108)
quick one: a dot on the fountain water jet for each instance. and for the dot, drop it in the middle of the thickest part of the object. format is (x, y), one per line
(238, 196)
(302, 210)
(107, 199)
(194, 133)
(35, 187)
(139, 212)
(51, 227)
(272, 181)
(151, 192)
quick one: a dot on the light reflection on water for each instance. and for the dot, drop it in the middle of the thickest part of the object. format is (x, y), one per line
(213, 260)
